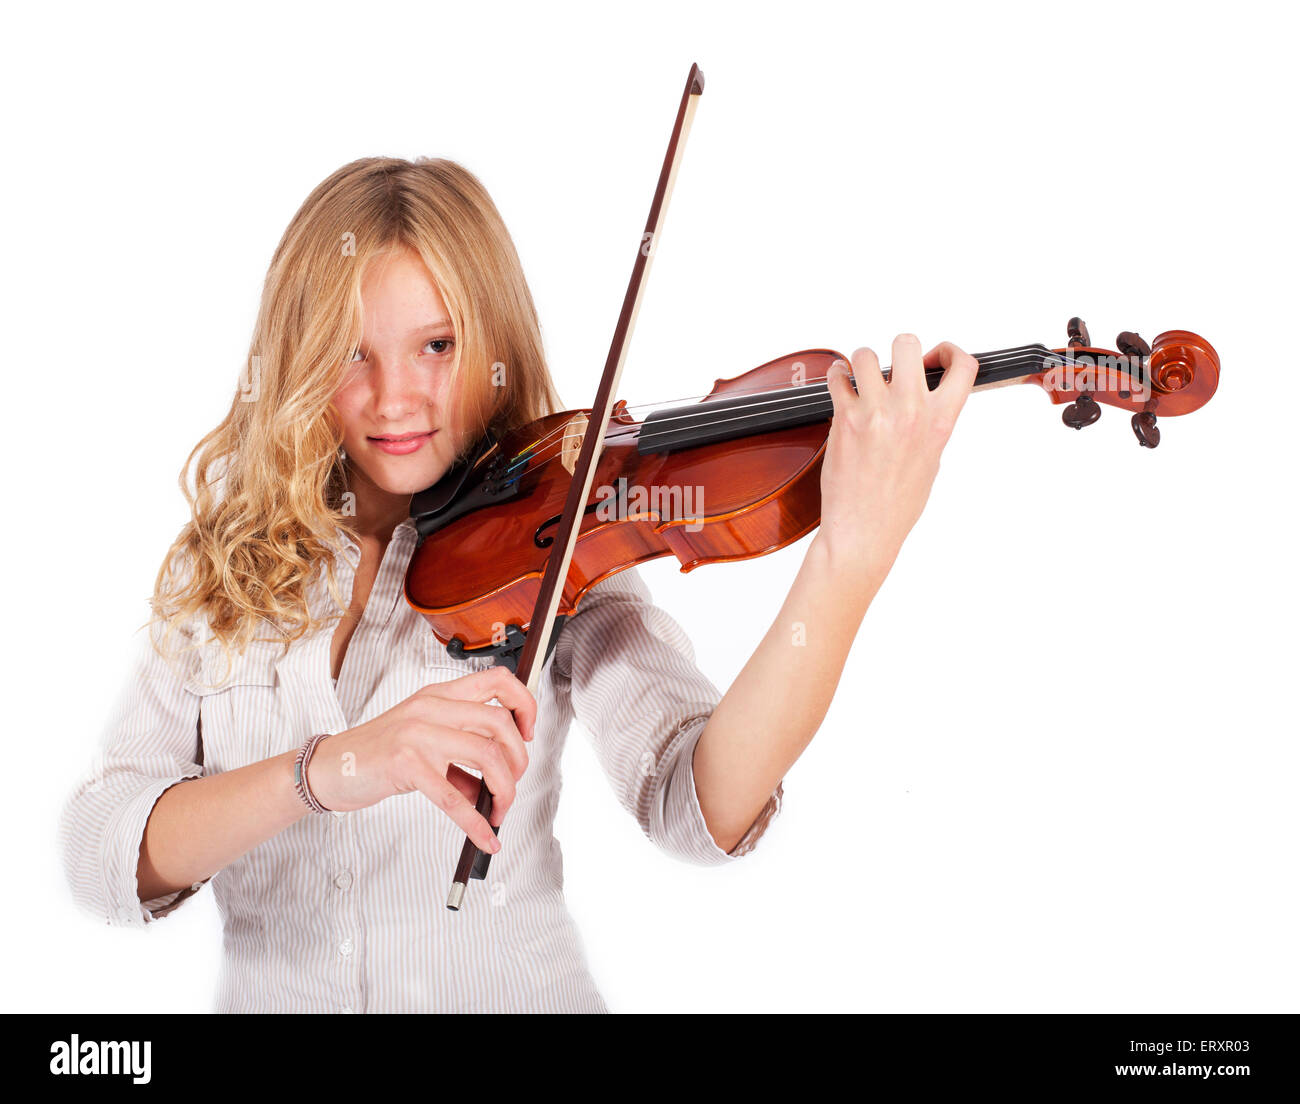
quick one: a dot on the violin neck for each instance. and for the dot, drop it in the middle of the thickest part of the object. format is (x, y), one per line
(1002, 366)
(745, 415)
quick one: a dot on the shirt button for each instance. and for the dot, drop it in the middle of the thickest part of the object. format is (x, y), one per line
(345, 948)
(347, 1008)
(196, 886)
(343, 879)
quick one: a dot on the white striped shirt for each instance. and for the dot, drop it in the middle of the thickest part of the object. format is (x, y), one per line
(346, 912)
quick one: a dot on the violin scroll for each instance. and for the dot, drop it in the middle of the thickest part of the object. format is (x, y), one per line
(1175, 374)
(1184, 371)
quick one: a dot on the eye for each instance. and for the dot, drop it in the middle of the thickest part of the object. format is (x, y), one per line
(445, 342)
(355, 357)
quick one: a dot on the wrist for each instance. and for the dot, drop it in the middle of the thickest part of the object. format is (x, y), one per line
(307, 780)
(856, 561)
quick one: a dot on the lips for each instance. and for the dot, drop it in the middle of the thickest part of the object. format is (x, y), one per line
(403, 445)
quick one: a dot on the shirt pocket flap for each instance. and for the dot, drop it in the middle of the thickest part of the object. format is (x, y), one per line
(219, 671)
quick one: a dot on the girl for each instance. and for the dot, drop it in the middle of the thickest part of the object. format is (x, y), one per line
(294, 731)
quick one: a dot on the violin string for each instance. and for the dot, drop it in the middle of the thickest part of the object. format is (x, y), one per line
(770, 397)
(540, 452)
(535, 457)
(1037, 355)
(987, 360)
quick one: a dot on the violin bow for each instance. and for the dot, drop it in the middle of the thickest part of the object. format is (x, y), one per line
(473, 862)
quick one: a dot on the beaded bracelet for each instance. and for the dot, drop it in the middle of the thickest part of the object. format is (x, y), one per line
(300, 774)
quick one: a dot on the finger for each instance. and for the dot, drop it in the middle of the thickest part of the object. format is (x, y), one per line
(907, 372)
(866, 373)
(467, 783)
(456, 746)
(490, 721)
(493, 682)
(460, 808)
(838, 376)
(959, 372)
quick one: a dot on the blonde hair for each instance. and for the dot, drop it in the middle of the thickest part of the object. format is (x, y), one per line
(267, 504)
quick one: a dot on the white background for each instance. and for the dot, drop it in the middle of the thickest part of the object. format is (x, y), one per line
(1059, 772)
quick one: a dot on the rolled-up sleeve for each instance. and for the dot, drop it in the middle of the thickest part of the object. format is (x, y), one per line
(630, 673)
(150, 743)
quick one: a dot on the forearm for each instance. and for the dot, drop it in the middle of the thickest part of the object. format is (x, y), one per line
(203, 824)
(778, 701)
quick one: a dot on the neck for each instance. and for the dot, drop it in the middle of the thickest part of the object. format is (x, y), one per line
(764, 411)
(378, 512)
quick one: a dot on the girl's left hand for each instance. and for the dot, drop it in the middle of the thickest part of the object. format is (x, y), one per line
(882, 454)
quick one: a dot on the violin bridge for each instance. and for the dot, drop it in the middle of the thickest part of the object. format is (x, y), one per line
(574, 432)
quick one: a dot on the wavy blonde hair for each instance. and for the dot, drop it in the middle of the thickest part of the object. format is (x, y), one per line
(267, 504)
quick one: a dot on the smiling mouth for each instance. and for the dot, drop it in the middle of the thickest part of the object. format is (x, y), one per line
(404, 437)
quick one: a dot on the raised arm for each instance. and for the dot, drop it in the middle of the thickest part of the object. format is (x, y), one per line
(881, 460)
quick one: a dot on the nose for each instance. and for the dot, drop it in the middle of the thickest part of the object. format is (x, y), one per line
(399, 389)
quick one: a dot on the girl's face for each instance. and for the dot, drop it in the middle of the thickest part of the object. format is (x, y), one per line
(394, 403)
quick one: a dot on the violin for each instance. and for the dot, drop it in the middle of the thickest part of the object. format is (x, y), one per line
(733, 476)
(518, 530)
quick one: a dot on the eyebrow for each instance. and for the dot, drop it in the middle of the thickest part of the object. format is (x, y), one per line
(437, 324)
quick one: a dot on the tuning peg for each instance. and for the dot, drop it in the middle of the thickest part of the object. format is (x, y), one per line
(1084, 411)
(1145, 428)
(1077, 330)
(1131, 345)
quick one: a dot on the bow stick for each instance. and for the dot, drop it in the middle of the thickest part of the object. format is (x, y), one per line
(473, 863)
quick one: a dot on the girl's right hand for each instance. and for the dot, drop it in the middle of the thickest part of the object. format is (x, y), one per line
(418, 743)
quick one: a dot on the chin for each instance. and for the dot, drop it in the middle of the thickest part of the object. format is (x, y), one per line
(411, 487)
(405, 475)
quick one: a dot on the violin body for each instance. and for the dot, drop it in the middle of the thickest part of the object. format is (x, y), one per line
(728, 500)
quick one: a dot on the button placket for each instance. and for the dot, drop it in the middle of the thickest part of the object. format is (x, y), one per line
(344, 920)
(383, 600)
(400, 549)
(342, 858)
